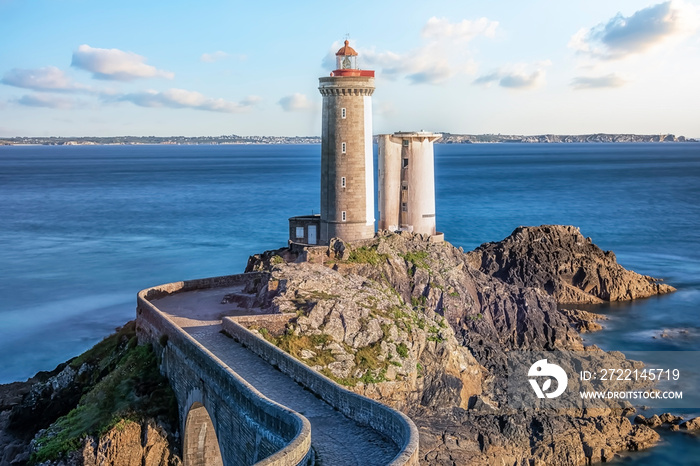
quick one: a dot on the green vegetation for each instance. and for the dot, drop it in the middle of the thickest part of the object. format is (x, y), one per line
(366, 255)
(123, 385)
(419, 302)
(434, 334)
(276, 259)
(402, 349)
(417, 258)
(320, 296)
(294, 344)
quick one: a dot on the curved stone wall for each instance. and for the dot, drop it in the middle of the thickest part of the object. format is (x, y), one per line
(261, 431)
(393, 424)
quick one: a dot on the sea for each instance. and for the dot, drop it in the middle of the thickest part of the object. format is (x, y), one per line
(84, 228)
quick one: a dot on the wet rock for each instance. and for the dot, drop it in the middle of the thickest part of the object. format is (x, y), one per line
(692, 424)
(668, 418)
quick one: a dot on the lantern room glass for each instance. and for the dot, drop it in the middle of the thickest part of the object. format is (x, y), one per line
(346, 62)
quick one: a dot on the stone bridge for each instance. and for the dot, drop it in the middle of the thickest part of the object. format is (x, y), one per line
(243, 401)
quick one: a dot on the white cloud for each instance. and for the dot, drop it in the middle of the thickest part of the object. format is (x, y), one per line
(622, 35)
(442, 55)
(429, 72)
(48, 78)
(212, 57)
(598, 82)
(181, 98)
(115, 64)
(46, 101)
(465, 30)
(295, 102)
(516, 76)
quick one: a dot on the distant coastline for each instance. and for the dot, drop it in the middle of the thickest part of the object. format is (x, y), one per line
(447, 138)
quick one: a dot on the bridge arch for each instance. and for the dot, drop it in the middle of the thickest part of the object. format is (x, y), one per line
(200, 443)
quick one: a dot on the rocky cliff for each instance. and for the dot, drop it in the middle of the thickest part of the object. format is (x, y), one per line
(426, 328)
(109, 406)
(561, 261)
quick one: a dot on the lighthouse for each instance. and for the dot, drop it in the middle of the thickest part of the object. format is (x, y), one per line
(406, 175)
(347, 180)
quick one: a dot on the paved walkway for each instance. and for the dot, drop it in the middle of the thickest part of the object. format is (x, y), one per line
(337, 439)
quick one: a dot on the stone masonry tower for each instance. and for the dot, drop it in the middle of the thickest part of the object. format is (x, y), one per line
(347, 181)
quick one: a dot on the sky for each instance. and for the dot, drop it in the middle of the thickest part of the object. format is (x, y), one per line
(167, 68)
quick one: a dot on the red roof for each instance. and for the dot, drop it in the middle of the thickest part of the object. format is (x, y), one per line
(346, 50)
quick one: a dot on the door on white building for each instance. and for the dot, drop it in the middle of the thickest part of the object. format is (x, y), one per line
(312, 234)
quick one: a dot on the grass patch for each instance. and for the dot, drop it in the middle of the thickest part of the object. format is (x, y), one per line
(417, 258)
(402, 349)
(295, 344)
(366, 357)
(365, 255)
(130, 389)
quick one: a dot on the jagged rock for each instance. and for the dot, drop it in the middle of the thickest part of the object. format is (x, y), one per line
(668, 418)
(584, 321)
(129, 444)
(559, 260)
(519, 439)
(692, 424)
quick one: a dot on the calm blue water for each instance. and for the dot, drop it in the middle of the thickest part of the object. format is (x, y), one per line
(82, 229)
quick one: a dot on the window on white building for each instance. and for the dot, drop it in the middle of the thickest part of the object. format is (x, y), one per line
(342, 113)
(343, 147)
(343, 215)
(342, 182)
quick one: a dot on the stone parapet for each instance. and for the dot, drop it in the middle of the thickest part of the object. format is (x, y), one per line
(264, 432)
(393, 424)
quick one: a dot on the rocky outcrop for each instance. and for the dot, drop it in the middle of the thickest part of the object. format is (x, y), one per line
(365, 335)
(584, 321)
(71, 416)
(441, 329)
(524, 440)
(129, 444)
(559, 260)
(692, 424)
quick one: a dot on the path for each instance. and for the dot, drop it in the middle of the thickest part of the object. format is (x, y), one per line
(336, 439)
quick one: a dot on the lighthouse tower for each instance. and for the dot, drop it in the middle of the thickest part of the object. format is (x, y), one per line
(347, 182)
